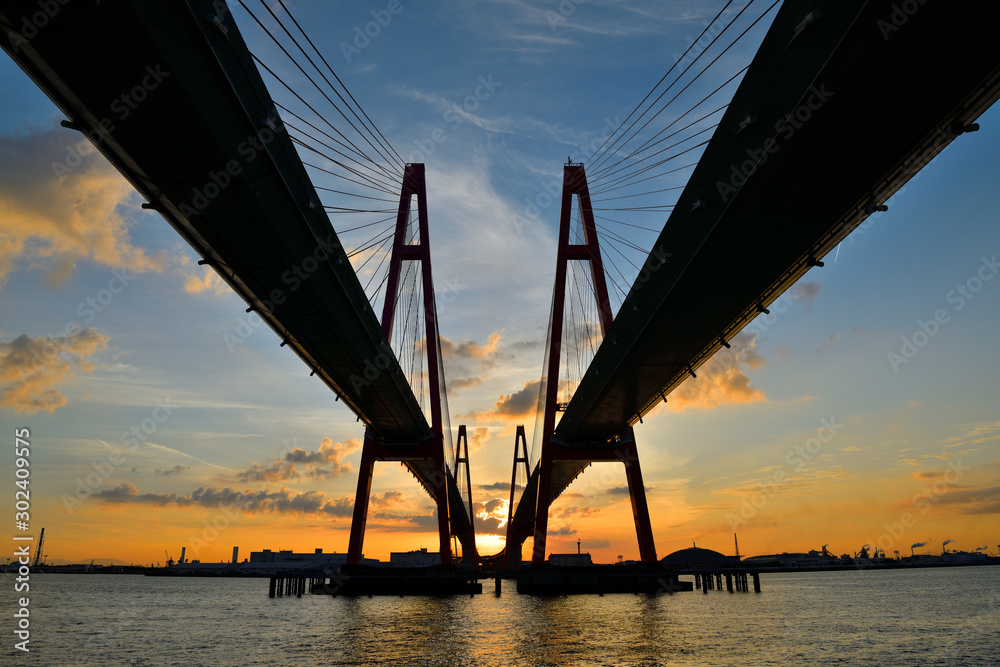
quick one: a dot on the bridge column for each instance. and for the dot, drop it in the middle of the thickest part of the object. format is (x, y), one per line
(640, 509)
(575, 185)
(515, 538)
(468, 539)
(542, 507)
(416, 249)
(443, 508)
(361, 498)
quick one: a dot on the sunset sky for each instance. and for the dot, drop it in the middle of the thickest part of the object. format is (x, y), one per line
(821, 426)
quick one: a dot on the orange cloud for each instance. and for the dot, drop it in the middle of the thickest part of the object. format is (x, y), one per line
(471, 349)
(722, 380)
(199, 279)
(478, 437)
(31, 367)
(63, 214)
(470, 361)
(325, 463)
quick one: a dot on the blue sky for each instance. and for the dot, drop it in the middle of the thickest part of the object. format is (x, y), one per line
(550, 82)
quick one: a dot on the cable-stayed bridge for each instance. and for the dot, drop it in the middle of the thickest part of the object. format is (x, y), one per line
(842, 104)
(201, 139)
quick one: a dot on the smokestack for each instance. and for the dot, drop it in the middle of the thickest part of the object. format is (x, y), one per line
(183, 549)
(236, 554)
(944, 544)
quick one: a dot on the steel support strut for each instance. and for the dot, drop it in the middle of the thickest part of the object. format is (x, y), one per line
(469, 551)
(361, 500)
(575, 185)
(432, 451)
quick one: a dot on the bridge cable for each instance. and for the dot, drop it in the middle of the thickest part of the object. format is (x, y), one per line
(376, 178)
(379, 174)
(593, 158)
(310, 78)
(384, 141)
(647, 145)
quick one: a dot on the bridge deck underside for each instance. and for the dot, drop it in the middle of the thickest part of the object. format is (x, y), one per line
(563, 474)
(258, 219)
(873, 107)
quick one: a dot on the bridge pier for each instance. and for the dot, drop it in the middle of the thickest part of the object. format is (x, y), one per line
(361, 500)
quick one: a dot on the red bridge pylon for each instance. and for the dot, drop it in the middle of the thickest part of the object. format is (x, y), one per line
(560, 462)
(426, 459)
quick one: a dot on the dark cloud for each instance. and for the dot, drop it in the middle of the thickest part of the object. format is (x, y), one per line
(471, 349)
(390, 499)
(621, 490)
(521, 402)
(464, 383)
(325, 463)
(282, 501)
(805, 291)
(573, 510)
(498, 486)
(984, 500)
(176, 470)
(403, 523)
(489, 525)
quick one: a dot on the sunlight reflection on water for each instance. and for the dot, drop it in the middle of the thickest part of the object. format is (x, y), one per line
(933, 617)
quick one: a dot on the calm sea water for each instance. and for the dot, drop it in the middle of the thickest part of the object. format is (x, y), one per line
(947, 616)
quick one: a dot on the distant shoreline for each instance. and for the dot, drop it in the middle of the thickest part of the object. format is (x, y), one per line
(683, 571)
(889, 565)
